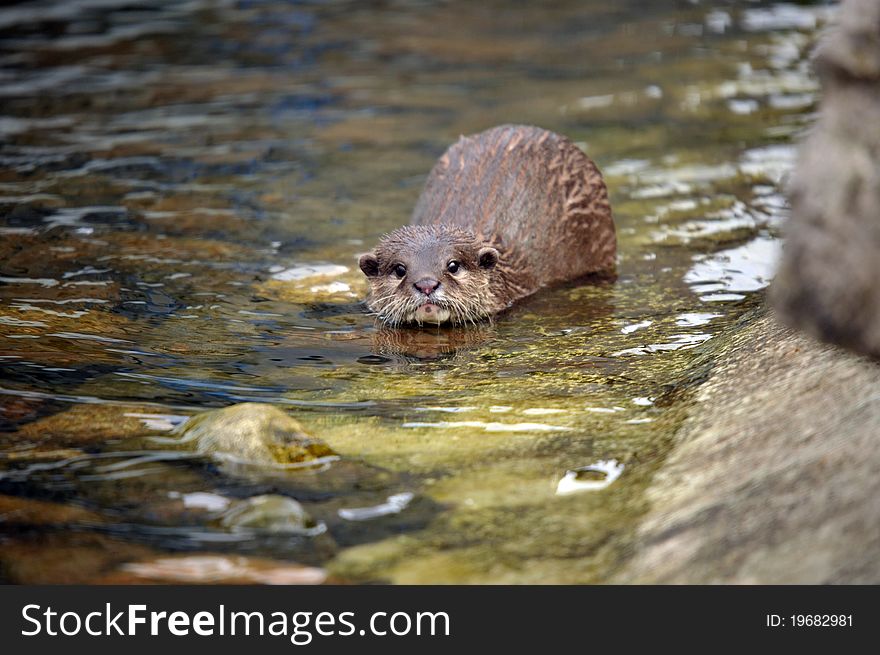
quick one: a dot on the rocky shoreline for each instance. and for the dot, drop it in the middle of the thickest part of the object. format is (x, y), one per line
(773, 478)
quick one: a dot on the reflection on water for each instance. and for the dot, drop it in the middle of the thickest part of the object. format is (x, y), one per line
(589, 478)
(185, 188)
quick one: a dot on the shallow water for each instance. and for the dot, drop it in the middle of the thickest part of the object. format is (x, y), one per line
(184, 190)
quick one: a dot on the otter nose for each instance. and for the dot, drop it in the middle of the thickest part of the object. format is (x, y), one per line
(426, 285)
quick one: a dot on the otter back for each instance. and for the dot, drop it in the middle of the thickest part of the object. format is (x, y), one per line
(533, 195)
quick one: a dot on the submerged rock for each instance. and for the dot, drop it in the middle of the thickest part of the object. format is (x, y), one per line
(86, 424)
(212, 568)
(311, 283)
(269, 513)
(826, 283)
(18, 511)
(253, 433)
(64, 556)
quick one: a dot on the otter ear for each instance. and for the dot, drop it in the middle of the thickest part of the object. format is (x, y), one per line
(487, 257)
(369, 264)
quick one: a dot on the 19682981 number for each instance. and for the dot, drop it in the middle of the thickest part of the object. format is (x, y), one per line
(821, 620)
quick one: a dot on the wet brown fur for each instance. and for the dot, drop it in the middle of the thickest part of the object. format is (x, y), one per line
(526, 194)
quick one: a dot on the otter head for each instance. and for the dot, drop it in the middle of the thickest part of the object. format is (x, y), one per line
(431, 274)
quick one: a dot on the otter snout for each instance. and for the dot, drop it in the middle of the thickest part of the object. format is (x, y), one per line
(427, 285)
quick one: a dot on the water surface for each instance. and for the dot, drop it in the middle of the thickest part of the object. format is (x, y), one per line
(185, 188)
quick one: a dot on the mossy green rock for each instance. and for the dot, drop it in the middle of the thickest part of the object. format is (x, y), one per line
(253, 433)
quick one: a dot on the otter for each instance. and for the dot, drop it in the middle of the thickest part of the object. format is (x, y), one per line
(503, 213)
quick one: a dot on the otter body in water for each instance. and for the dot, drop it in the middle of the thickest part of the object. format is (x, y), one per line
(503, 213)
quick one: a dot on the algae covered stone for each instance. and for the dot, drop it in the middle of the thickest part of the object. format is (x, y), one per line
(253, 433)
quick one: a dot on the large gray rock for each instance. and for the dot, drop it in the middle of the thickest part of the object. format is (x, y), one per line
(775, 476)
(827, 283)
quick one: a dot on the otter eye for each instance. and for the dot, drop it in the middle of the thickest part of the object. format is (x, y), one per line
(400, 271)
(453, 267)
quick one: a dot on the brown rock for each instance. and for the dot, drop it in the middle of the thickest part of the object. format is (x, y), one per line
(64, 558)
(18, 511)
(87, 423)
